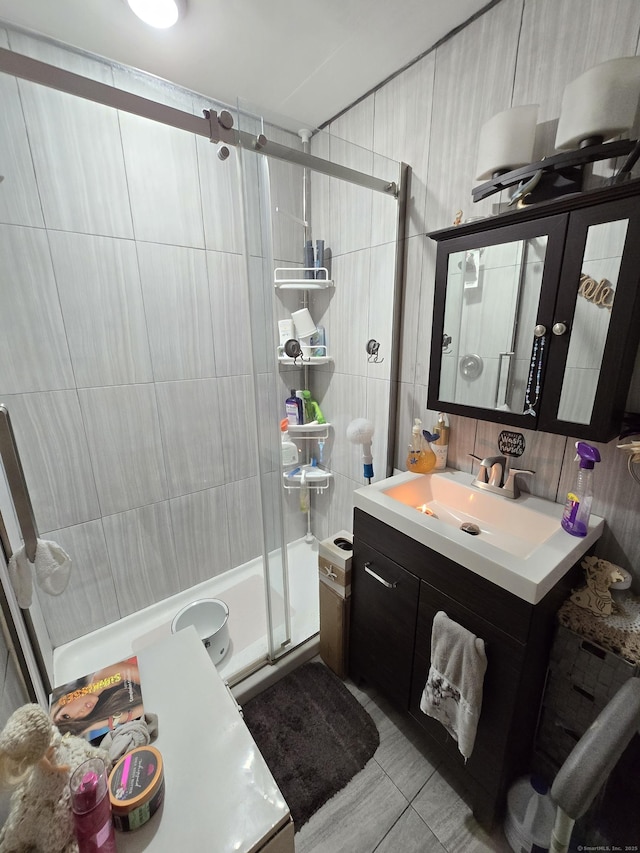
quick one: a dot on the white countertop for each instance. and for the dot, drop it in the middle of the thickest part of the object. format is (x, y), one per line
(219, 793)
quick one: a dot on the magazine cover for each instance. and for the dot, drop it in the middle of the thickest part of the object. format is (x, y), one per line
(98, 703)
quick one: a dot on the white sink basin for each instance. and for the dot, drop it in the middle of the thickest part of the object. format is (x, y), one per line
(520, 544)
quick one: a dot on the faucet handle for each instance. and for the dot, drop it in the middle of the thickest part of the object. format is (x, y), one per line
(482, 475)
(512, 482)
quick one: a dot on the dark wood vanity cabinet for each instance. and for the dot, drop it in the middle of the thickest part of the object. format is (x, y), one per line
(398, 585)
(536, 317)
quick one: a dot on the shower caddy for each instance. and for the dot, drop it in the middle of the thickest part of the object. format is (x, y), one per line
(292, 278)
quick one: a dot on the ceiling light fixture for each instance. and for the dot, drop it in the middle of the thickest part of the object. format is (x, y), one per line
(159, 13)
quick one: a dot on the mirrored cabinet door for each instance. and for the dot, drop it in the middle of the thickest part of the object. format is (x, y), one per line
(594, 340)
(490, 297)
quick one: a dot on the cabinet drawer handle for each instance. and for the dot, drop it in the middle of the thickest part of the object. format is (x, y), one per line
(369, 571)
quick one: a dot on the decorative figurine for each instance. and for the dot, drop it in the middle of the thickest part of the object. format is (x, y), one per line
(596, 596)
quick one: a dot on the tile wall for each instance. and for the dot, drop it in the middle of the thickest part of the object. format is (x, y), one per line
(518, 52)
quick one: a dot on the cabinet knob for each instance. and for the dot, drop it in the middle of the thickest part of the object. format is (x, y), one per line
(540, 331)
(559, 328)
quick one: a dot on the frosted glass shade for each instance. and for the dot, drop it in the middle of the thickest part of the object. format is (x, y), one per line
(601, 102)
(158, 13)
(506, 141)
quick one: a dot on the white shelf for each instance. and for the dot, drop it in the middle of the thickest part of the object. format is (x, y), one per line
(300, 361)
(317, 479)
(313, 431)
(299, 282)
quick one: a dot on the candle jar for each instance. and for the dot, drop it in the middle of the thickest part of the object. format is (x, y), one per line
(91, 808)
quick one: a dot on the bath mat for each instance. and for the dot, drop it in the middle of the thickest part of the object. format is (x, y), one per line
(314, 735)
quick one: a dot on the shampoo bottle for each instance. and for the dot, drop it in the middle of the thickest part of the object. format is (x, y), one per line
(441, 446)
(577, 509)
(293, 409)
(420, 459)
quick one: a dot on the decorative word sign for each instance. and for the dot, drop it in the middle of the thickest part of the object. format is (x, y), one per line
(601, 293)
(511, 443)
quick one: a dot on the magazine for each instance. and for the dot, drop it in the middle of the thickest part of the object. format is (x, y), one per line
(98, 703)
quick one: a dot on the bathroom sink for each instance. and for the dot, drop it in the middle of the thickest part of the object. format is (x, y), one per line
(518, 544)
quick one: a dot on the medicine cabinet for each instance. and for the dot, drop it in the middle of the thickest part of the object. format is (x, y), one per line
(536, 317)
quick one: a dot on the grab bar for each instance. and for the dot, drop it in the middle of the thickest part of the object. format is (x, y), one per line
(17, 485)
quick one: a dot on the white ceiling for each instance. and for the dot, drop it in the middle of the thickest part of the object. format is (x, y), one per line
(306, 59)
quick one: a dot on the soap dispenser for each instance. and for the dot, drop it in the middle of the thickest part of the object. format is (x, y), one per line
(421, 459)
(441, 444)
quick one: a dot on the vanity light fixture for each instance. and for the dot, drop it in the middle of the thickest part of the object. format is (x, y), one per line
(159, 13)
(597, 106)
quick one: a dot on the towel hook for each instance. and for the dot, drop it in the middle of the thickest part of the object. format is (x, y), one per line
(372, 350)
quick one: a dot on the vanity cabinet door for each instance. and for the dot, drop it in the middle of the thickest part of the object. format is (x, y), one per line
(593, 335)
(497, 742)
(384, 604)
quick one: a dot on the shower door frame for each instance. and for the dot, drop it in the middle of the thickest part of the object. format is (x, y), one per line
(218, 128)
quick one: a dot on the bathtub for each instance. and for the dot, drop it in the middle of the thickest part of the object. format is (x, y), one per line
(242, 589)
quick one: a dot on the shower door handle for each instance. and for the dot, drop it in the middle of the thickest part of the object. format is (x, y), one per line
(17, 485)
(369, 571)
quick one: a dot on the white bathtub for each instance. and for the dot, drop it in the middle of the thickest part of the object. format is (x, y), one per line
(242, 589)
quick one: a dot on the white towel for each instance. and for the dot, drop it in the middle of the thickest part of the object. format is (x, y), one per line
(20, 577)
(453, 692)
(52, 569)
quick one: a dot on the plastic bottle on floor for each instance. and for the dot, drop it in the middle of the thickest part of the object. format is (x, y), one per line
(530, 816)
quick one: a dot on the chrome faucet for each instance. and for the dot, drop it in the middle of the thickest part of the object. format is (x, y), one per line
(497, 476)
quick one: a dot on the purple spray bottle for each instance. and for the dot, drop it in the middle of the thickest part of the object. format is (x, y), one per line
(577, 509)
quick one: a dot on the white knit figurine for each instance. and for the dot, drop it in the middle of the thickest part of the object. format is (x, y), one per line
(38, 761)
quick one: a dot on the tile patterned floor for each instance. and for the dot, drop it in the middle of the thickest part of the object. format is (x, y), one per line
(402, 802)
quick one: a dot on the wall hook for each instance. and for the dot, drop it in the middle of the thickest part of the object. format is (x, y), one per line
(372, 350)
(293, 349)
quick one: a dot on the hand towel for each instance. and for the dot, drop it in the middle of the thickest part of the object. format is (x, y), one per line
(52, 569)
(453, 692)
(20, 577)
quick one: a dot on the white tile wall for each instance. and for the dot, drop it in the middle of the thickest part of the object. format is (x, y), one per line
(90, 599)
(30, 321)
(143, 558)
(190, 421)
(201, 531)
(105, 318)
(177, 310)
(19, 200)
(52, 443)
(163, 182)
(123, 432)
(79, 167)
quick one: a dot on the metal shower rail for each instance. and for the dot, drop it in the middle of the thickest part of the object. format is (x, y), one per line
(216, 128)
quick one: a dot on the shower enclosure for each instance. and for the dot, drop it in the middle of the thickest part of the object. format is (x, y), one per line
(140, 366)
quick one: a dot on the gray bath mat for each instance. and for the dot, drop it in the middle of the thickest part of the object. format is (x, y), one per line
(314, 735)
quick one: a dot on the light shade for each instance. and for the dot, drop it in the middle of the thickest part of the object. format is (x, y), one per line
(601, 103)
(158, 13)
(506, 141)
